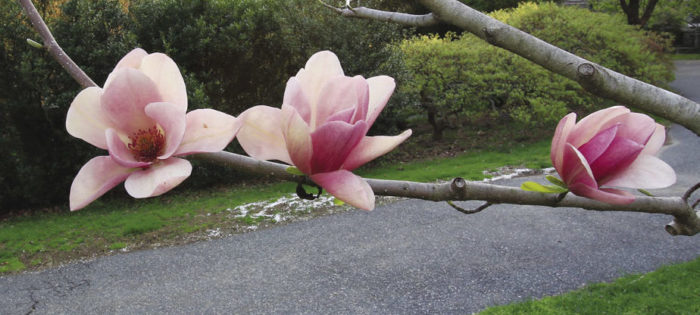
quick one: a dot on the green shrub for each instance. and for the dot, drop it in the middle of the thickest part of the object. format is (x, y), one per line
(465, 81)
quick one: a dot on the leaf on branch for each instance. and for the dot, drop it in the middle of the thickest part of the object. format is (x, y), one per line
(34, 43)
(294, 171)
(338, 202)
(549, 189)
(645, 192)
(556, 181)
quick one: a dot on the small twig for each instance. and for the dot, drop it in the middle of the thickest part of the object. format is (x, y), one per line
(697, 202)
(472, 211)
(301, 192)
(690, 192)
(384, 16)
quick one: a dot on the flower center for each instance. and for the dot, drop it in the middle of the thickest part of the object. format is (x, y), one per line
(147, 145)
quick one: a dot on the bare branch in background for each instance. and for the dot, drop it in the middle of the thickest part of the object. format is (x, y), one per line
(52, 46)
(385, 16)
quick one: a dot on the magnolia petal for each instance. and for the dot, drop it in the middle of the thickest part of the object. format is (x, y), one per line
(295, 96)
(261, 133)
(343, 115)
(131, 60)
(158, 179)
(656, 141)
(619, 155)
(590, 125)
(297, 136)
(380, 90)
(167, 77)
(372, 147)
(319, 69)
(347, 187)
(94, 179)
(333, 142)
(341, 93)
(608, 195)
(637, 127)
(647, 172)
(575, 168)
(595, 147)
(126, 97)
(565, 126)
(86, 119)
(171, 118)
(119, 151)
(208, 130)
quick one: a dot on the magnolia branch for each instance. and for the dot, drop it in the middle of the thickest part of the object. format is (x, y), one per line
(393, 17)
(686, 220)
(594, 78)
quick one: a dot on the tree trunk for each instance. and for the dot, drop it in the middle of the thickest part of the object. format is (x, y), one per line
(631, 9)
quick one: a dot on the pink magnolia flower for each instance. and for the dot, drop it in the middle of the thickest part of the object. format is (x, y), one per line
(139, 117)
(322, 125)
(610, 148)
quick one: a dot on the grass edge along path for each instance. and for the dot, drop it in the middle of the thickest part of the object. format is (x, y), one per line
(667, 290)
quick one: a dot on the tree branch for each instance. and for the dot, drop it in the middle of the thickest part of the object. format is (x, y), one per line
(686, 221)
(385, 16)
(647, 12)
(52, 46)
(592, 77)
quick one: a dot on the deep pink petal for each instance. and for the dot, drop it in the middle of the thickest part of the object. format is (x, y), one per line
(208, 130)
(341, 93)
(590, 125)
(656, 141)
(125, 99)
(295, 97)
(333, 142)
(646, 171)
(119, 151)
(158, 179)
(595, 147)
(166, 75)
(261, 133)
(370, 148)
(619, 155)
(347, 187)
(94, 179)
(171, 118)
(380, 90)
(297, 137)
(86, 119)
(608, 195)
(564, 127)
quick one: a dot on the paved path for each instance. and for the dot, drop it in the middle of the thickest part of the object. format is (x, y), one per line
(407, 257)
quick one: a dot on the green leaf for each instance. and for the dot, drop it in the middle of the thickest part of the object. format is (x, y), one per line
(645, 192)
(294, 171)
(556, 181)
(550, 189)
(34, 44)
(338, 202)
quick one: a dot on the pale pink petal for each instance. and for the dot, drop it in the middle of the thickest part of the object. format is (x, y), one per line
(208, 130)
(319, 69)
(86, 119)
(575, 168)
(636, 127)
(295, 96)
(125, 99)
(297, 137)
(166, 75)
(131, 60)
(564, 127)
(656, 141)
(341, 93)
(595, 147)
(373, 147)
(608, 195)
(95, 178)
(619, 155)
(347, 187)
(171, 118)
(380, 90)
(343, 115)
(158, 179)
(261, 133)
(646, 171)
(119, 151)
(333, 142)
(590, 125)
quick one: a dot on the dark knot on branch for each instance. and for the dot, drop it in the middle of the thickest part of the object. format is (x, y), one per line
(586, 70)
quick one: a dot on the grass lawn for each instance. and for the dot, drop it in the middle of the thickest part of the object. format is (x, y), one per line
(671, 289)
(685, 56)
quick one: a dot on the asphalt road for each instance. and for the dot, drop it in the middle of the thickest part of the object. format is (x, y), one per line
(406, 257)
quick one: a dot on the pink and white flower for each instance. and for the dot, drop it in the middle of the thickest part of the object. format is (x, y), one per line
(140, 118)
(610, 148)
(322, 127)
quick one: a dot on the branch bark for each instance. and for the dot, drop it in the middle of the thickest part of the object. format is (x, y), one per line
(52, 46)
(384, 16)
